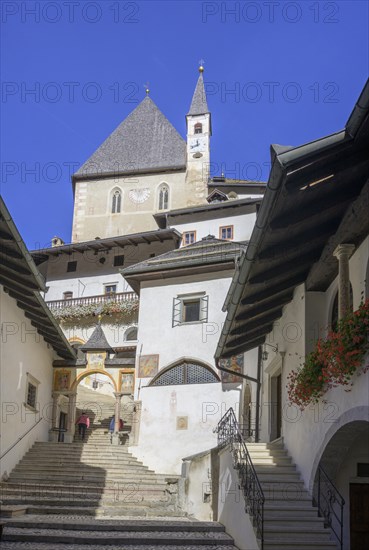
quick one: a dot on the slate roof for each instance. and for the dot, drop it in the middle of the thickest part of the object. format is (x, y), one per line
(208, 251)
(144, 141)
(97, 342)
(199, 105)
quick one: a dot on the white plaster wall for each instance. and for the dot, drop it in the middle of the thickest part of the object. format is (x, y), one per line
(306, 432)
(197, 340)
(242, 226)
(202, 404)
(231, 505)
(198, 478)
(22, 350)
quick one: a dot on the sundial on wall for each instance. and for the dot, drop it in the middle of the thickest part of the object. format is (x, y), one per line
(139, 195)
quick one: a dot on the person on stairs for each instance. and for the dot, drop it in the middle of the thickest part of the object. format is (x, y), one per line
(112, 426)
(83, 423)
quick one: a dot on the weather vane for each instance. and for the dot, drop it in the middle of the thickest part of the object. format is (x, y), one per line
(201, 65)
(147, 89)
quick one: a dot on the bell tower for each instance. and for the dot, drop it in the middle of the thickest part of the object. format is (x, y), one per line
(198, 121)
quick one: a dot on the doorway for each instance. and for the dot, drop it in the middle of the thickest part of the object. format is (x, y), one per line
(359, 516)
(276, 406)
(62, 426)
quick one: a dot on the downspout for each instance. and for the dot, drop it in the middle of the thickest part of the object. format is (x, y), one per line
(258, 391)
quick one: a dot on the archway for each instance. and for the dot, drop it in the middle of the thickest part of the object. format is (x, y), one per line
(344, 461)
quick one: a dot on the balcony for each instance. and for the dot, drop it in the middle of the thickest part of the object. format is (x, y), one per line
(99, 299)
(119, 304)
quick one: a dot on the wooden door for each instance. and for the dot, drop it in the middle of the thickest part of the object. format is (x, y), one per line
(359, 516)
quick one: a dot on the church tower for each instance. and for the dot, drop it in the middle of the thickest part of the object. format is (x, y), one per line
(198, 142)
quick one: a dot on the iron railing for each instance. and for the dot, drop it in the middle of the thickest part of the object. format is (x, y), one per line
(330, 504)
(90, 300)
(21, 437)
(229, 433)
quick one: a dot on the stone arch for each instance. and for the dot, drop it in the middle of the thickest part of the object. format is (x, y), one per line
(340, 435)
(88, 372)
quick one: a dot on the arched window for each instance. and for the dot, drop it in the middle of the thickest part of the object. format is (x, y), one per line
(185, 372)
(163, 197)
(116, 201)
(198, 128)
(131, 334)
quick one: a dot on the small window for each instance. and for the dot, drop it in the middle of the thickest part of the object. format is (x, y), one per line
(163, 197)
(362, 469)
(110, 289)
(116, 201)
(188, 237)
(67, 295)
(71, 266)
(198, 128)
(31, 392)
(226, 232)
(190, 309)
(118, 260)
(131, 334)
(152, 255)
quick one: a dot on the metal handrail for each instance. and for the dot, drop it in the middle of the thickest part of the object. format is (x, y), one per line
(97, 299)
(229, 432)
(21, 437)
(330, 504)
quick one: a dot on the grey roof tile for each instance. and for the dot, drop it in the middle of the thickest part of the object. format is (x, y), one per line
(145, 140)
(97, 341)
(199, 105)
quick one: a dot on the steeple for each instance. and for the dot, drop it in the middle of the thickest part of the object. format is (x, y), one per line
(199, 105)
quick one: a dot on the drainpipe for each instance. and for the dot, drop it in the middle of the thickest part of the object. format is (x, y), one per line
(258, 391)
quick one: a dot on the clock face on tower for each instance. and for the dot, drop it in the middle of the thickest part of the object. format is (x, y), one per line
(139, 196)
(197, 144)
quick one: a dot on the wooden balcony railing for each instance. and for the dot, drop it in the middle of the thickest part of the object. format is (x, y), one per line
(91, 300)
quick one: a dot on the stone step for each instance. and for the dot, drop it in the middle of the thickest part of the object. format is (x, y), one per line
(154, 537)
(297, 533)
(288, 520)
(127, 498)
(121, 509)
(298, 545)
(288, 510)
(77, 466)
(46, 546)
(275, 469)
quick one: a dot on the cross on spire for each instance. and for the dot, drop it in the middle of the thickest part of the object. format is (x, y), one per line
(201, 65)
(147, 89)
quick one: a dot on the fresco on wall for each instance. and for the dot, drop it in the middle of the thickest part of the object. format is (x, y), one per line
(127, 383)
(234, 363)
(61, 380)
(148, 366)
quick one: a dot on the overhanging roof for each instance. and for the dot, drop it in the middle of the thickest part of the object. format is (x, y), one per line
(22, 281)
(228, 185)
(207, 211)
(109, 243)
(205, 256)
(317, 197)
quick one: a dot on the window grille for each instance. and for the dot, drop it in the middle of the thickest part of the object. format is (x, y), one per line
(185, 373)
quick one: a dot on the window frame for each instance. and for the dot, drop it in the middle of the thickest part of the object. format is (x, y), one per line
(112, 292)
(65, 297)
(117, 259)
(116, 203)
(163, 200)
(194, 232)
(72, 266)
(178, 309)
(31, 381)
(226, 227)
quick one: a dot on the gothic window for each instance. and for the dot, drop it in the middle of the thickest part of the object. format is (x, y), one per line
(186, 372)
(163, 197)
(198, 128)
(116, 201)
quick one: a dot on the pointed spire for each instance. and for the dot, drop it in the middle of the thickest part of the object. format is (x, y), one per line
(97, 341)
(199, 105)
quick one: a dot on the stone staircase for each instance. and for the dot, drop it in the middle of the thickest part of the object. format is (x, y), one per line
(94, 495)
(291, 522)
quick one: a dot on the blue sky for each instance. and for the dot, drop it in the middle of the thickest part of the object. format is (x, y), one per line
(276, 72)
